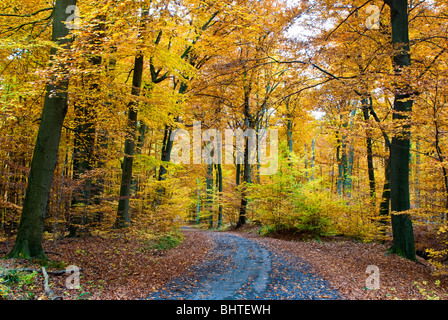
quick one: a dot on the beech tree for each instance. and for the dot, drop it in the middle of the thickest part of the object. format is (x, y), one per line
(29, 237)
(123, 218)
(403, 234)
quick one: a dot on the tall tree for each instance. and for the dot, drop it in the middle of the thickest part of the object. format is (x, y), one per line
(402, 230)
(123, 218)
(370, 169)
(29, 238)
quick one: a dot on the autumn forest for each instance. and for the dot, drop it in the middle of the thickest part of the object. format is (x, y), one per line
(167, 124)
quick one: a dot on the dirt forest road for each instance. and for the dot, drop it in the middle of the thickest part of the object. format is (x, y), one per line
(238, 268)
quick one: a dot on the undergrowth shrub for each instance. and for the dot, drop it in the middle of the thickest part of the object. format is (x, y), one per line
(292, 203)
(162, 242)
(16, 284)
(295, 211)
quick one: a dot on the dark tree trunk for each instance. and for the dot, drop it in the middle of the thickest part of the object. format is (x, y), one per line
(385, 198)
(370, 168)
(28, 243)
(209, 184)
(123, 218)
(247, 166)
(246, 179)
(166, 152)
(402, 230)
(238, 174)
(219, 178)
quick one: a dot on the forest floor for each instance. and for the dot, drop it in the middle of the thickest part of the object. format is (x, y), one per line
(116, 267)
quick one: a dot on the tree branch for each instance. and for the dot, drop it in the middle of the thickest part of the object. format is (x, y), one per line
(345, 20)
(25, 15)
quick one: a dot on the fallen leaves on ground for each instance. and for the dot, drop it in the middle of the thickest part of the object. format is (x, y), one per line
(114, 267)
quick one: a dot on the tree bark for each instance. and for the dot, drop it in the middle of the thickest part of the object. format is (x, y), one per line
(348, 181)
(28, 242)
(123, 218)
(385, 198)
(246, 179)
(402, 230)
(370, 168)
(209, 186)
(247, 166)
(219, 178)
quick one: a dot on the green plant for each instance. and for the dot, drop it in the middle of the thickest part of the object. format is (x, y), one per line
(10, 279)
(163, 242)
(19, 278)
(56, 264)
(84, 296)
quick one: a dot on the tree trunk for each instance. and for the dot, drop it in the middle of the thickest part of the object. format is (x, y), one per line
(246, 179)
(341, 157)
(28, 243)
(219, 178)
(198, 204)
(138, 151)
(348, 181)
(385, 198)
(166, 153)
(402, 230)
(238, 174)
(209, 184)
(370, 168)
(247, 166)
(123, 218)
(313, 157)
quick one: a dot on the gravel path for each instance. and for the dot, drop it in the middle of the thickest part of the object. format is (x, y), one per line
(239, 268)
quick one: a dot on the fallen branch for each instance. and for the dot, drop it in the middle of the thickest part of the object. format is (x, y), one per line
(47, 288)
